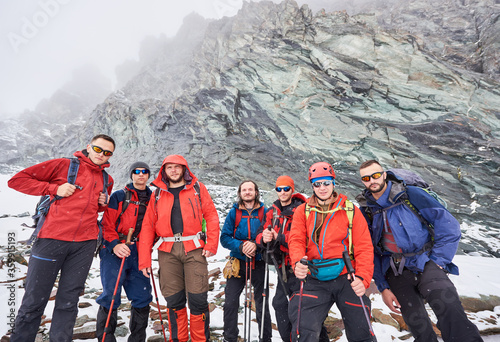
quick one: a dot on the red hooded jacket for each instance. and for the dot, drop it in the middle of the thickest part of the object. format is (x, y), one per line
(72, 218)
(333, 238)
(157, 218)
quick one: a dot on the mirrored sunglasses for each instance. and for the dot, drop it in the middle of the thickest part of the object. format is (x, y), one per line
(283, 188)
(375, 175)
(145, 171)
(325, 183)
(98, 149)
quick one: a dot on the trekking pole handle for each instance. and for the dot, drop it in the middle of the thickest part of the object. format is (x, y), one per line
(129, 236)
(303, 262)
(348, 264)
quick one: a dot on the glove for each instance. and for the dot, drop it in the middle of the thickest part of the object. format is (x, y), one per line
(232, 268)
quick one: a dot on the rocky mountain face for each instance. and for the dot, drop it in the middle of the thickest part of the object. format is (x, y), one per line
(278, 87)
(45, 132)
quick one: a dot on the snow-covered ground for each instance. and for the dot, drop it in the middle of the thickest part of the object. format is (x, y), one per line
(479, 275)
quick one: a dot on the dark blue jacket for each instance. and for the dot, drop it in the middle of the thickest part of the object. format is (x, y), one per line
(127, 220)
(410, 233)
(232, 237)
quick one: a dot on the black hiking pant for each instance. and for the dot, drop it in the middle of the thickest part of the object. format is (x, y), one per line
(280, 305)
(317, 299)
(48, 257)
(234, 288)
(434, 286)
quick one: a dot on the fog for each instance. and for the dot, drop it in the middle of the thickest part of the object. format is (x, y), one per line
(44, 41)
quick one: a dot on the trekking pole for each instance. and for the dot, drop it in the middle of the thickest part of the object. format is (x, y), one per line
(303, 262)
(265, 299)
(350, 270)
(246, 300)
(158, 303)
(129, 237)
(250, 299)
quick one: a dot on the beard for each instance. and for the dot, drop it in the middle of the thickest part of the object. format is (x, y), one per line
(376, 189)
(176, 179)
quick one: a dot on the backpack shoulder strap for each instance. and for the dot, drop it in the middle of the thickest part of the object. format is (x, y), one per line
(74, 165)
(197, 192)
(349, 209)
(406, 202)
(237, 220)
(307, 210)
(126, 202)
(261, 213)
(105, 184)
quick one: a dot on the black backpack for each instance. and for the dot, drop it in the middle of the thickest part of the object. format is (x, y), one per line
(43, 205)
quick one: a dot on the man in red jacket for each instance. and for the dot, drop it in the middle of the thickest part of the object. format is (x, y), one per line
(67, 239)
(122, 218)
(175, 214)
(320, 234)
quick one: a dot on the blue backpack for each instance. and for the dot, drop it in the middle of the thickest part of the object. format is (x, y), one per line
(43, 205)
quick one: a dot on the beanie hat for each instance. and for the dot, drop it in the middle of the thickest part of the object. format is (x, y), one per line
(285, 181)
(138, 165)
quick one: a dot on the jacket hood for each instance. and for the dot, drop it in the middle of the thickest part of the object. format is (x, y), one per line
(84, 157)
(189, 177)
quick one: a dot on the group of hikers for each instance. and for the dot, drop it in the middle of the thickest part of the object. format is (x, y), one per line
(325, 250)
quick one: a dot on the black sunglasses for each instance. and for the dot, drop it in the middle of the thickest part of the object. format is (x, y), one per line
(145, 171)
(98, 149)
(283, 188)
(375, 175)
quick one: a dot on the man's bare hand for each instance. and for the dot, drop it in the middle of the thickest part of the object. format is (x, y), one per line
(146, 272)
(358, 286)
(66, 190)
(301, 269)
(121, 250)
(268, 235)
(102, 199)
(391, 301)
(207, 254)
(249, 249)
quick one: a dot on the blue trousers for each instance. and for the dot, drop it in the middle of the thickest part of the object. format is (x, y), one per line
(48, 257)
(136, 285)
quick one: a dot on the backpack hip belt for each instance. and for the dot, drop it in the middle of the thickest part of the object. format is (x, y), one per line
(179, 238)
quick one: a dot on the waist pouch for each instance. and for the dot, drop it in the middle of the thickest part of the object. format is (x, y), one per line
(326, 269)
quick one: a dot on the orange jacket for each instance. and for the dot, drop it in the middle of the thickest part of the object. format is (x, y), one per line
(333, 238)
(157, 218)
(72, 218)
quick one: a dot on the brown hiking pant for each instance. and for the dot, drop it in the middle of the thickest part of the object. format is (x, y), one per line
(182, 272)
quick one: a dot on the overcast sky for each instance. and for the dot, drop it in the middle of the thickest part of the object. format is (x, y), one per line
(42, 41)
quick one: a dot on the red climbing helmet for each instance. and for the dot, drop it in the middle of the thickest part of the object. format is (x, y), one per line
(321, 169)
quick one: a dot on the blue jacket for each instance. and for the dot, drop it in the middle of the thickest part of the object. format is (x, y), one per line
(410, 233)
(232, 237)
